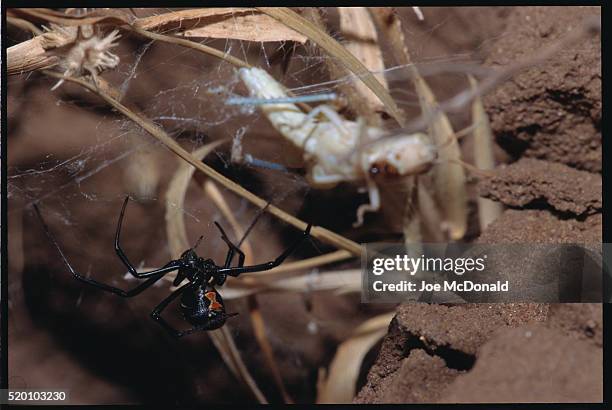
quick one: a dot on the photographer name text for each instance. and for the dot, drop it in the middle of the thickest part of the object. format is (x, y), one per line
(446, 286)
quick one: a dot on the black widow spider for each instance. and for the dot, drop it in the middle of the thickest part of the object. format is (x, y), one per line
(201, 304)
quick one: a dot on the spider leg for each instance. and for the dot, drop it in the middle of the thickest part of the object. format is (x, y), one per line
(121, 254)
(232, 248)
(153, 276)
(221, 277)
(156, 314)
(235, 271)
(120, 292)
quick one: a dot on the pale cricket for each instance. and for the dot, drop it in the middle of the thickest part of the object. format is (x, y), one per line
(336, 149)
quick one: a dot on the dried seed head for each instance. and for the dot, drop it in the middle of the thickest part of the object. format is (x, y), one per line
(86, 52)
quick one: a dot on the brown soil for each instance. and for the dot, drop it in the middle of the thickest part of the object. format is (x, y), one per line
(418, 379)
(531, 364)
(553, 111)
(524, 226)
(548, 118)
(489, 353)
(532, 182)
(452, 334)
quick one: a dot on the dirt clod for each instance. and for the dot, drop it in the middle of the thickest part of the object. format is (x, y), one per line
(464, 327)
(419, 379)
(529, 226)
(552, 111)
(449, 334)
(532, 364)
(534, 182)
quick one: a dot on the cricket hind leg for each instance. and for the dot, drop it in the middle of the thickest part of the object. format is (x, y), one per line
(372, 206)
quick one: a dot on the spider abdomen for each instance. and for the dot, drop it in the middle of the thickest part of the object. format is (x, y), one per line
(203, 306)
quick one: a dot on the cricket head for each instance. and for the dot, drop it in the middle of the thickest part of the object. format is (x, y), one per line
(403, 155)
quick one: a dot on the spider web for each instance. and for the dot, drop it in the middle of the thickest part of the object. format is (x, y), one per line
(189, 106)
(192, 111)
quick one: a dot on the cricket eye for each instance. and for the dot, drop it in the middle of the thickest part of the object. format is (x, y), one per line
(383, 168)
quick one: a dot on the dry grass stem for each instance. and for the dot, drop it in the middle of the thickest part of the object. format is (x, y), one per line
(115, 17)
(488, 210)
(429, 214)
(449, 177)
(259, 328)
(390, 27)
(340, 281)
(224, 342)
(339, 384)
(411, 218)
(190, 19)
(193, 45)
(304, 264)
(23, 24)
(29, 56)
(235, 23)
(362, 41)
